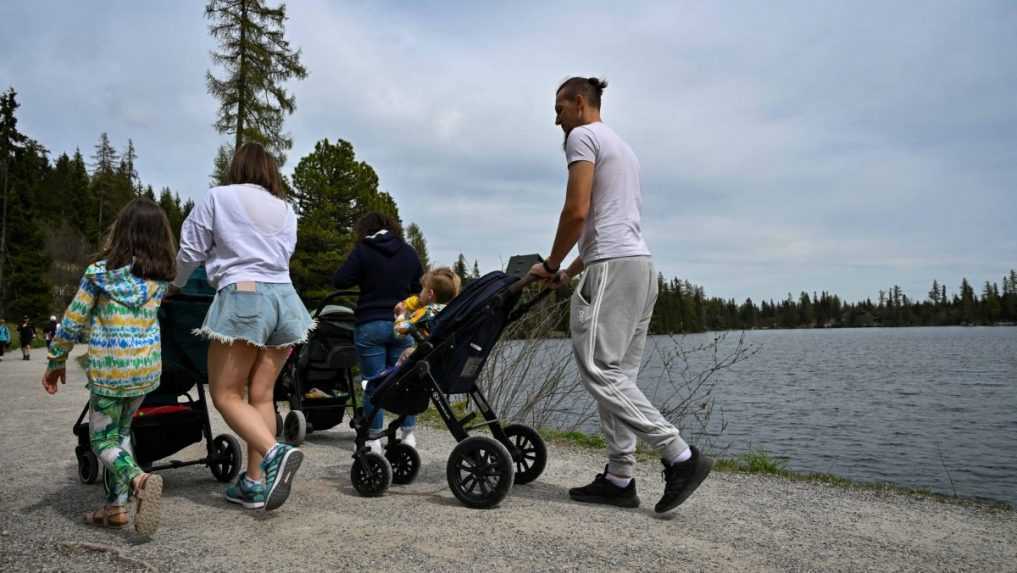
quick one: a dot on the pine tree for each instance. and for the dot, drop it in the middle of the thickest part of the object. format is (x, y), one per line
(331, 191)
(476, 270)
(221, 166)
(103, 184)
(78, 197)
(934, 293)
(127, 171)
(415, 237)
(11, 141)
(967, 302)
(257, 60)
(26, 277)
(460, 268)
(170, 204)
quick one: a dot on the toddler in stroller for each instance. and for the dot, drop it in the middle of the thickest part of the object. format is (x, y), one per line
(480, 470)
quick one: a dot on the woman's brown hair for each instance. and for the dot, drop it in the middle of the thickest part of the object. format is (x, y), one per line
(252, 164)
(141, 237)
(373, 222)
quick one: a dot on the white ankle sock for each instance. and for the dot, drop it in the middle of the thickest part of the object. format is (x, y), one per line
(682, 457)
(618, 481)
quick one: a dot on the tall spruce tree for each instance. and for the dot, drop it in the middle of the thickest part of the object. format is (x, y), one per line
(221, 166)
(11, 140)
(460, 268)
(103, 185)
(415, 237)
(257, 60)
(27, 291)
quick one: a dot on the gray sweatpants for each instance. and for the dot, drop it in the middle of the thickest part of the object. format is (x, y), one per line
(611, 313)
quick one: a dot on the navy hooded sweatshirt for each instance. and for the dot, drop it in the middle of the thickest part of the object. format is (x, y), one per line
(386, 269)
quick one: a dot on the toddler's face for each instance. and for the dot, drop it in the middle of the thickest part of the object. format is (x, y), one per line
(426, 295)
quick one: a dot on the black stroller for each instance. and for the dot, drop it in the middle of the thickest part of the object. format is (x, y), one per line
(480, 470)
(165, 424)
(323, 366)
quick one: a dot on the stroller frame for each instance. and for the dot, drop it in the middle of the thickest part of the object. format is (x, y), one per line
(300, 420)
(516, 454)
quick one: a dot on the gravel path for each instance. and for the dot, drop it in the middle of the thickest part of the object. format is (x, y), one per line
(734, 522)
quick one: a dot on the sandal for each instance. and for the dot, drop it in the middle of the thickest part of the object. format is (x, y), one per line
(149, 498)
(109, 516)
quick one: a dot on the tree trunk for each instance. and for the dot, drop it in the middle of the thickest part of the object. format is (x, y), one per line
(241, 76)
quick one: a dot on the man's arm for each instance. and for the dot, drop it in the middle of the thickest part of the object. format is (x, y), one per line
(572, 218)
(574, 213)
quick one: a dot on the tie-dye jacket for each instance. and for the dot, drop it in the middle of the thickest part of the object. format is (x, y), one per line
(119, 312)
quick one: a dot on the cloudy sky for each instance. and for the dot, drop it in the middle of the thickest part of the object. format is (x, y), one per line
(839, 146)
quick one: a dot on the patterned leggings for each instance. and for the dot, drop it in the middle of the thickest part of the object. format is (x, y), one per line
(109, 422)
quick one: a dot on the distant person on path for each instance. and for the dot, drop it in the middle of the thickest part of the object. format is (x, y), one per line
(5, 337)
(49, 330)
(386, 270)
(118, 304)
(26, 333)
(245, 233)
(612, 306)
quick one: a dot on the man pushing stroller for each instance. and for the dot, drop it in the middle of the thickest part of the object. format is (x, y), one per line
(612, 306)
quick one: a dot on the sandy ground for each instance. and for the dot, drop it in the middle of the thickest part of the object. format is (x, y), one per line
(734, 522)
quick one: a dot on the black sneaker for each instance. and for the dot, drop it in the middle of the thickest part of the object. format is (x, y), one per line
(603, 491)
(681, 479)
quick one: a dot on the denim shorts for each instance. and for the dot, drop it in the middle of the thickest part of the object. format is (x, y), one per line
(271, 314)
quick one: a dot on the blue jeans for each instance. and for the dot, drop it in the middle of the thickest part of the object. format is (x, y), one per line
(379, 348)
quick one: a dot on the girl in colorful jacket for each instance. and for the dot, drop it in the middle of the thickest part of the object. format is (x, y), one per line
(117, 304)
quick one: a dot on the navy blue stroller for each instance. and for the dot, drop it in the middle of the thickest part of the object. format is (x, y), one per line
(480, 470)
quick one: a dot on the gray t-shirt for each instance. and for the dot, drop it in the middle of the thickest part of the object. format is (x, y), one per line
(612, 227)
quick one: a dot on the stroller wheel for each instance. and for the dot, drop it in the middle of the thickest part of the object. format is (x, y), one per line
(371, 474)
(480, 472)
(278, 425)
(405, 463)
(295, 428)
(88, 466)
(530, 454)
(225, 460)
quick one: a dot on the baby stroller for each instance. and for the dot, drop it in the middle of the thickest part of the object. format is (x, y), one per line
(165, 424)
(480, 470)
(317, 379)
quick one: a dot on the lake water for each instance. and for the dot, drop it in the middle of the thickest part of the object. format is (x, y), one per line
(933, 408)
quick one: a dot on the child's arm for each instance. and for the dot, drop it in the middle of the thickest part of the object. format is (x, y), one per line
(77, 316)
(406, 323)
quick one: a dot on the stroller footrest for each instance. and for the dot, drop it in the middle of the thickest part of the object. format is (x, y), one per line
(480, 425)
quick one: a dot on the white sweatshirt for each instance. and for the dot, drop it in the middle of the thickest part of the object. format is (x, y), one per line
(241, 233)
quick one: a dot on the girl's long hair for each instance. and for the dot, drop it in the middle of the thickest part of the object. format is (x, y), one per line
(141, 237)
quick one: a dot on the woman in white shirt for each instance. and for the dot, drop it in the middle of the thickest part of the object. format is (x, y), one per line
(245, 233)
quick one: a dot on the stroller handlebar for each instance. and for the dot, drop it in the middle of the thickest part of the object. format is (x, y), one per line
(331, 297)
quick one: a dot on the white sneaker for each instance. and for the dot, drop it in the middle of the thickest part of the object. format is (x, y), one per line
(408, 437)
(374, 446)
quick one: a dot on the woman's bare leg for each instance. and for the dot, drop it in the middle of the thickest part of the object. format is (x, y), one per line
(266, 369)
(230, 368)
